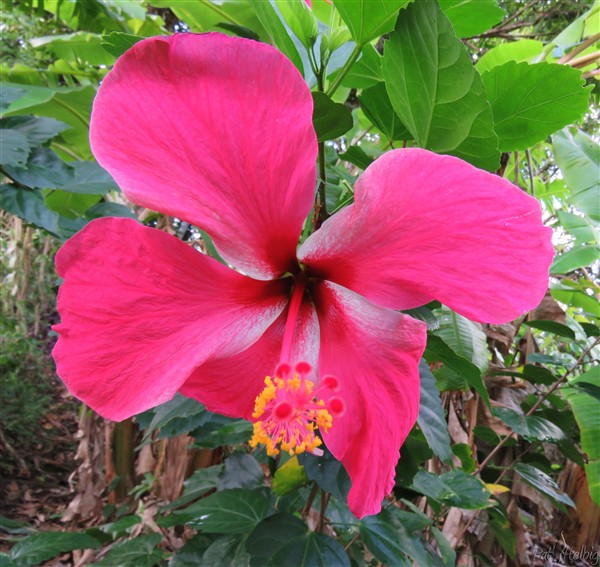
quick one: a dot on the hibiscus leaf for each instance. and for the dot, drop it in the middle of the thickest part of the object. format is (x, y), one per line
(368, 19)
(312, 548)
(141, 551)
(201, 482)
(525, 109)
(271, 534)
(327, 472)
(531, 427)
(521, 50)
(36, 129)
(435, 90)
(330, 119)
(241, 471)
(14, 149)
(472, 17)
(233, 511)
(228, 550)
(376, 105)
(432, 419)
(542, 482)
(366, 72)
(454, 488)
(38, 548)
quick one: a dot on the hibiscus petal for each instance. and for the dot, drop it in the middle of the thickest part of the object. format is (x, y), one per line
(229, 385)
(140, 310)
(217, 131)
(425, 227)
(374, 352)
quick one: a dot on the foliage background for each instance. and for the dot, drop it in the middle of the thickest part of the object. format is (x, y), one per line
(504, 464)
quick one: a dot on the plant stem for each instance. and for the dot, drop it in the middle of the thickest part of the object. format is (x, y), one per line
(344, 71)
(311, 497)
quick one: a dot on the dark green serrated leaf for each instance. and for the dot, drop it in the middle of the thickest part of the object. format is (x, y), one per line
(377, 107)
(432, 419)
(455, 488)
(110, 210)
(532, 427)
(327, 472)
(552, 327)
(8, 95)
(435, 90)
(271, 534)
(472, 17)
(44, 170)
(357, 156)
(36, 129)
(525, 109)
(312, 549)
(414, 453)
(88, 177)
(234, 511)
(368, 19)
(542, 482)
(141, 551)
(14, 149)
(177, 409)
(228, 550)
(241, 471)
(191, 552)
(538, 375)
(41, 547)
(201, 482)
(330, 119)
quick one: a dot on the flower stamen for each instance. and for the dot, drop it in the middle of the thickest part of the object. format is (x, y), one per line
(290, 412)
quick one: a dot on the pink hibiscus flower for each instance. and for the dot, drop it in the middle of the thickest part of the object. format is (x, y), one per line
(218, 131)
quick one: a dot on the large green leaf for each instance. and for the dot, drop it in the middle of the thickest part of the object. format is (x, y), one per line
(313, 549)
(330, 119)
(531, 427)
(241, 471)
(76, 47)
(542, 482)
(36, 129)
(377, 107)
(523, 50)
(233, 511)
(525, 109)
(552, 327)
(435, 90)
(585, 409)
(277, 32)
(368, 19)
(471, 17)
(366, 72)
(14, 149)
(455, 488)
(69, 105)
(141, 551)
(39, 548)
(582, 227)
(578, 157)
(577, 257)
(432, 419)
(228, 550)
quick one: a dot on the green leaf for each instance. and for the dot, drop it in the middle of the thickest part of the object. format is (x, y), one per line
(44, 170)
(501, 528)
(41, 547)
(525, 109)
(435, 90)
(542, 482)
(582, 227)
(472, 17)
(117, 43)
(415, 452)
(465, 454)
(228, 550)
(14, 149)
(176, 415)
(75, 47)
(313, 549)
(330, 119)
(88, 177)
(357, 156)
(233, 511)
(376, 105)
(201, 482)
(271, 534)
(70, 205)
(578, 157)
(289, 477)
(432, 419)
(300, 19)
(141, 551)
(31, 207)
(366, 72)
(69, 105)
(368, 19)
(587, 416)
(455, 488)
(390, 542)
(552, 327)
(577, 257)
(37, 130)
(522, 50)
(110, 210)
(277, 32)
(8, 95)
(327, 472)
(531, 427)
(241, 471)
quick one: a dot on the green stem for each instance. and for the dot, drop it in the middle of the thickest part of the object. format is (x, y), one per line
(345, 69)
